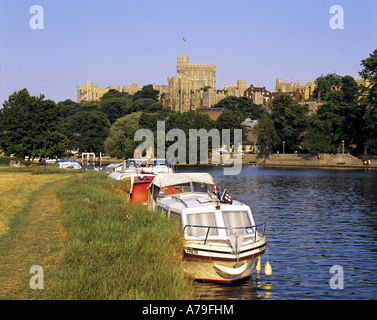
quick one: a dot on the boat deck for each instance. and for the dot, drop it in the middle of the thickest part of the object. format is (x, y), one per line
(195, 201)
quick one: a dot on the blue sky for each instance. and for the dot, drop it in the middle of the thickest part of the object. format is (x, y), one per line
(118, 42)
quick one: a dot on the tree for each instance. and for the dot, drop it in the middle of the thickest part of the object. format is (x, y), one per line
(349, 88)
(369, 100)
(115, 108)
(120, 142)
(68, 107)
(267, 136)
(339, 119)
(242, 104)
(88, 130)
(147, 92)
(26, 122)
(115, 94)
(325, 84)
(325, 131)
(290, 120)
(148, 105)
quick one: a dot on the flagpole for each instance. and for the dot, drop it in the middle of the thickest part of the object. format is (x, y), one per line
(183, 47)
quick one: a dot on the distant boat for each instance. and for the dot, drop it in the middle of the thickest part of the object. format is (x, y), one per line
(68, 164)
(222, 241)
(140, 165)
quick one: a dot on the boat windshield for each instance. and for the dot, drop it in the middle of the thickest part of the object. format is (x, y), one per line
(162, 162)
(157, 162)
(236, 219)
(203, 221)
(199, 187)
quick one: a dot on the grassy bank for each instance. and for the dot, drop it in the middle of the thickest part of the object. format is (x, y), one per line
(16, 187)
(101, 246)
(115, 250)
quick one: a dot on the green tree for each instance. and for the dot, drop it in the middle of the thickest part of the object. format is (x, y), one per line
(26, 122)
(88, 130)
(325, 131)
(369, 100)
(120, 142)
(148, 105)
(290, 120)
(68, 107)
(147, 92)
(241, 104)
(325, 84)
(115, 108)
(267, 135)
(340, 118)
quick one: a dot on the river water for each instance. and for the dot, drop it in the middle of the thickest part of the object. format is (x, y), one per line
(316, 219)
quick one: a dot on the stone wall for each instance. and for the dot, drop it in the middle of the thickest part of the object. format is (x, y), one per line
(331, 160)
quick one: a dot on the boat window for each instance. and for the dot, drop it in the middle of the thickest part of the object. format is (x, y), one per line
(234, 219)
(186, 187)
(176, 216)
(205, 219)
(199, 187)
(162, 163)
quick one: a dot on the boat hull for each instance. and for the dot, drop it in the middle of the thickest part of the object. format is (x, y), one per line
(219, 269)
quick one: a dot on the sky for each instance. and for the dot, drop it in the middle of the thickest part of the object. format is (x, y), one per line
(120, 42)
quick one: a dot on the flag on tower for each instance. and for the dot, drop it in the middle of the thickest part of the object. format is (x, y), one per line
(184, 39)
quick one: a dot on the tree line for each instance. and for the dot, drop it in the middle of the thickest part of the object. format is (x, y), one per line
(349, 114)
(107, 125)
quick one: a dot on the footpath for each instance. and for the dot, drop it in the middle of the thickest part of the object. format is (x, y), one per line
(35, 238)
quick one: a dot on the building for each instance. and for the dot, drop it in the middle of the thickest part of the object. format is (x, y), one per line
(193, 87)
(259, 95)
(305, 88)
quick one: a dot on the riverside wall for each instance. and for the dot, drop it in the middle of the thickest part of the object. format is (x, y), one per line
(309, 160)
(290, 160)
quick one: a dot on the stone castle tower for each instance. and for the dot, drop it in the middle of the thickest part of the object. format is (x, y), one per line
(189, 79)
(193, 87)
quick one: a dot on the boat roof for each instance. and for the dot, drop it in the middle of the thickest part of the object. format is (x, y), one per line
(171, 179)
(144, 159)
(121, 175)
(68, 160)
(114, 165)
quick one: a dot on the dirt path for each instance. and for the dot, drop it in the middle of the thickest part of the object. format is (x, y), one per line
(35, 237)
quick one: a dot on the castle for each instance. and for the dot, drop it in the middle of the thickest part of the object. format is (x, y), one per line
(193, 87)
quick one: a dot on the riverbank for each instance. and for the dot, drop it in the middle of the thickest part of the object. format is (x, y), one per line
(320, 160)
(90, 242)
(317, 160)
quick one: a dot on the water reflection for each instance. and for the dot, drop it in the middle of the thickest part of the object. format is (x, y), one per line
(315, 219)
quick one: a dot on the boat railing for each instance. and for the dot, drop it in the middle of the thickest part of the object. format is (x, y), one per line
(249, 230)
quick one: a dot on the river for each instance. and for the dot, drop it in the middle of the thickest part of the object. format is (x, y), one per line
(316, 219)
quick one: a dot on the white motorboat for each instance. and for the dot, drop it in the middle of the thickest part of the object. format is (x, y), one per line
(154, 166)
(68, 164)
(222, 241)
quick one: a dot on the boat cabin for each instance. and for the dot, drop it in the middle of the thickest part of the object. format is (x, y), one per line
(189, 198)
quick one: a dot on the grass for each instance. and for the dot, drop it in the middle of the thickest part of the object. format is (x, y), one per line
(16, 186)
(98, 245)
